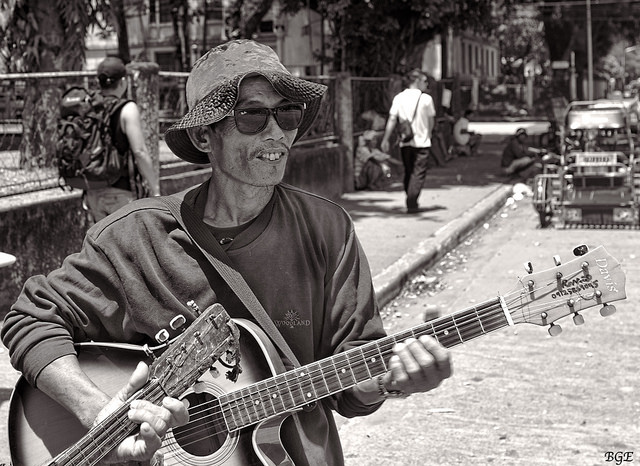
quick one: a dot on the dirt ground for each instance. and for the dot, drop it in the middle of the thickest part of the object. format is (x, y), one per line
(517, 396)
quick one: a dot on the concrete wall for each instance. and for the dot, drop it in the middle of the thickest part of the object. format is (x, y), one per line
(41, 229)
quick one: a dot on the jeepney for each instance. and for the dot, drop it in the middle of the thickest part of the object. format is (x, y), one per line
(595, 180)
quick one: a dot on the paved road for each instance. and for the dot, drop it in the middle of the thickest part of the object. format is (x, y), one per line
(519, 396)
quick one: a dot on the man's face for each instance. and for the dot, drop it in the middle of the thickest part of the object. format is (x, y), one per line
(252, 159)
(423, 83)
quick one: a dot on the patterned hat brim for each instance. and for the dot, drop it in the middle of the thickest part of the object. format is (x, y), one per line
(222, 99)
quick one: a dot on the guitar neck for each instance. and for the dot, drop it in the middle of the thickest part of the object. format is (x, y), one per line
(296, 388)
(103, 437)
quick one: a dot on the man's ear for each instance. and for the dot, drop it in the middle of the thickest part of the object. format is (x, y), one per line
(200, 138)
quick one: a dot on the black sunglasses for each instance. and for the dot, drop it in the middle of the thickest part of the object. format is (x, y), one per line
(254, 120)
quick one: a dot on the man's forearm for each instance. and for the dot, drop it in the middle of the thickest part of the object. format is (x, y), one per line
(145, 165)
(64, 381)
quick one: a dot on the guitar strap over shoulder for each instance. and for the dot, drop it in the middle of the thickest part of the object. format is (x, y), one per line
(207, 243)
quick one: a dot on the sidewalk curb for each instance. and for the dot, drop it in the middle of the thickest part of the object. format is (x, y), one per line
(388, 283)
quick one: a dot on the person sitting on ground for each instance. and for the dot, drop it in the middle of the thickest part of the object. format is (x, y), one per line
(372, 168)
(517, 156)
(466, 142)
(298, 252)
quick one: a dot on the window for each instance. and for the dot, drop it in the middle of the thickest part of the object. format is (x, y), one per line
(215, 10)
(160, 11)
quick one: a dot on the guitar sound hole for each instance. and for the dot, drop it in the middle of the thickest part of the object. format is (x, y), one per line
(205, 432)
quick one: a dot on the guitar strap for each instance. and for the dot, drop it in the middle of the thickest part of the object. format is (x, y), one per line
(207, 243)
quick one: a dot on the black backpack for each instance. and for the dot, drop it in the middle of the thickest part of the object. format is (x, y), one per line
(85, 151)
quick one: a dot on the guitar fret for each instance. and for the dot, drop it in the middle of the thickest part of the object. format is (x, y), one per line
(453, 321)
(374, 362)
(295, 388)
(307, 385)
(319, 381)
(479, 320)
(331, 376)
(343, 370)
(261, 400)
(271, 394)
(235, 421)
(356, 360)
(245, 412)
(298, 387)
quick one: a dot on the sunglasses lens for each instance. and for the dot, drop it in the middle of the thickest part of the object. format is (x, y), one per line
(289, 117)
(251, 120)
(254, 120)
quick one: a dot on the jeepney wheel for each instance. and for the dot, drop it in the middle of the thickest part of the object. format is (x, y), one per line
(545, 216)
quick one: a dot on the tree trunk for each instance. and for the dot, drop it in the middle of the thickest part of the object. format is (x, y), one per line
(120, 20)
(43, 95)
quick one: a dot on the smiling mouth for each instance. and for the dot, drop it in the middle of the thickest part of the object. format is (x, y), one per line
(272, 155)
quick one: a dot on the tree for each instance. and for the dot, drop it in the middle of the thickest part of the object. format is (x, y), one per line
(380, 37)
(611, 22)
(374, 37)
(43, 35)
(522, 41)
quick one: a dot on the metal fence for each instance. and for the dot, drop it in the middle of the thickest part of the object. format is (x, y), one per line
(31, 170)
(27, 170)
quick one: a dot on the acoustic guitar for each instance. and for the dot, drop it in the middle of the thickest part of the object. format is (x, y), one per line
(238, 422)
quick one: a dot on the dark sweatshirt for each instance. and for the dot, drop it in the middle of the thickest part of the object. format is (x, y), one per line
(137, 269)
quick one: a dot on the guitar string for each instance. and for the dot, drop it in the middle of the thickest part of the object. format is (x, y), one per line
(311, 383)
(111, 427)
(460, 325)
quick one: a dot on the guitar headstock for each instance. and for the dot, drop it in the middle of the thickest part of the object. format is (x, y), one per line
(212, 335)
(593, 279)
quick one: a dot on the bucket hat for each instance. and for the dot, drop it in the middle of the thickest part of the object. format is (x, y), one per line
(213, 85)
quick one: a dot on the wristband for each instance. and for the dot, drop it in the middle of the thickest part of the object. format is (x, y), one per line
(384, 393)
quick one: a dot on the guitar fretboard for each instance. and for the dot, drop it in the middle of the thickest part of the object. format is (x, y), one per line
(296, 388)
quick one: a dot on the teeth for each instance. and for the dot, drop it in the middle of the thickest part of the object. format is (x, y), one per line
(272, 156)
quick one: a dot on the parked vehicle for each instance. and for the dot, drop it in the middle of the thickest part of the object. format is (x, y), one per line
(595, 180)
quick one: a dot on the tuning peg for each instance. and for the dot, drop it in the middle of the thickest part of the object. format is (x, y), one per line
(578, 319)
(215, 373)
(556, 260)
(194, 307)
(554, 330)
(162, 336)
(177, 322)
(528, 267)
(607, 310)
(580, 250)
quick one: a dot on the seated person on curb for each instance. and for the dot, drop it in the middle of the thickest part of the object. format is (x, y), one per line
(517, 156)
(297, 251)
(466, 142)
(371, 166)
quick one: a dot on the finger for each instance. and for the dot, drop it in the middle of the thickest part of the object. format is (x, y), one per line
(396, 374)
(135, 383)
(179, 410)
(441, 356)
(413, 357)
(148, 441)
(157, 417)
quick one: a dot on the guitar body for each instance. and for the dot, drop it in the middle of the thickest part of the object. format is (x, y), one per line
(41, 428)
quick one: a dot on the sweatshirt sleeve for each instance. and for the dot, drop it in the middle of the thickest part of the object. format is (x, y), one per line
(71, 304)
(354, 315)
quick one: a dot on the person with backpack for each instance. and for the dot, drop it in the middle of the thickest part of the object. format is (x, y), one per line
(127, 135)
(415, 107)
